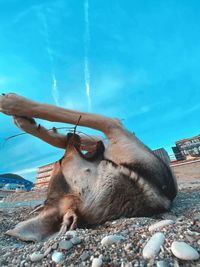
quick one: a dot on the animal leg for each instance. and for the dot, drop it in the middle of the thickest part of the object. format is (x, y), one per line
(51, 137)
(68, 207)
(30, 126)
(69, 222)
(39, 227)
(12, 104)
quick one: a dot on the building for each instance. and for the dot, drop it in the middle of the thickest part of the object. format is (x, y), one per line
(13, 181)
(187, 149)
(43, 176)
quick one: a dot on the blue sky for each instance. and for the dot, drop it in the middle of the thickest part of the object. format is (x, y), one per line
(135, 60)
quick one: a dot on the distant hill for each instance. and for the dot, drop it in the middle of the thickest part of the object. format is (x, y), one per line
(11, 175)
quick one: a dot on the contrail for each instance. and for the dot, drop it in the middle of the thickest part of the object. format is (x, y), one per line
(54, 91)
(86, 60)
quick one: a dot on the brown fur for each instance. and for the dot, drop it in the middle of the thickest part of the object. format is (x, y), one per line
(121, 178)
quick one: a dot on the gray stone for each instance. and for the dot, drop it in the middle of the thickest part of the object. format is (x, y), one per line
(54, 246)
(71, 233)
(76, 240)
(84, 256)
(160, 224)
(97, 262)
(22, 263)
(47, 251)
(184, 251)
(36, 256)
(162, 264)
(152, 248)
(65, 244)
(110, 239)
(57, 256)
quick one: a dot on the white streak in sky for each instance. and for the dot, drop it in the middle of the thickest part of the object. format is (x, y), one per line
(86, 59)
(54, 91)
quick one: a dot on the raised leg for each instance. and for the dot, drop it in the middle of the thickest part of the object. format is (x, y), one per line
(52, 137)
(15, 105)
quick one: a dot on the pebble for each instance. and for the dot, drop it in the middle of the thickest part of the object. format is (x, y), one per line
(152, 248)
(71, 233)
(22, 263)
(8, 254)
(36, 256)
(84, 256)
(110, 239)
(193, 233)
(128, 264)
(76, 240)
(54, 246)
(160, 224)
(184, 251)
(47, 251)
(197, 217)
(65, 244)
(97, 262)
(128, 247)
(162, 264)
(57, 256)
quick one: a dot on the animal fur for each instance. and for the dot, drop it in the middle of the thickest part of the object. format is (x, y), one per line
(121, 178)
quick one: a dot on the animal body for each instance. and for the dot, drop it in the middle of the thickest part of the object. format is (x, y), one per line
(121, 178)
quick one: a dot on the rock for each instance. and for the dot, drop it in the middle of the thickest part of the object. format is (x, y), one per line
(65, 244)
(162, 264)
(76, 240)
(197, 217)
(36, 256)
(110, 239)
(125, 232)
(160, 224)
(54, 246)
(152, 248)
(97, 262)
(47, 251)
(7, 254)
(71, 233)
(57, 256)
(128, 247)
(193, 233)
(184, 251)
(22, 263)
(84, 256)
(128, 264)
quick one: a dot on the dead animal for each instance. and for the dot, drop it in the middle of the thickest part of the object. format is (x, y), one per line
(120, 178)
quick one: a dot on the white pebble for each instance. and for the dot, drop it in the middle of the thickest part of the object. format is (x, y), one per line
(57, 256)
(65, 244)
(97, 262)
(36, 256)
(110, 239)
(162, 264)
(76, 240)
(160, 224)
(71, 233)
(152, 248)
(47, 251)
(184, 251)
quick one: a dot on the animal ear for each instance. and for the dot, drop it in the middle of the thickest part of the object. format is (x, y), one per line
(38, 228)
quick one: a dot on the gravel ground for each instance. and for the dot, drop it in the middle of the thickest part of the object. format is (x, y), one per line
(126, 249)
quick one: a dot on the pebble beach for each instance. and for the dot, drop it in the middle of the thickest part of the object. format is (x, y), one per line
(168, 239)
